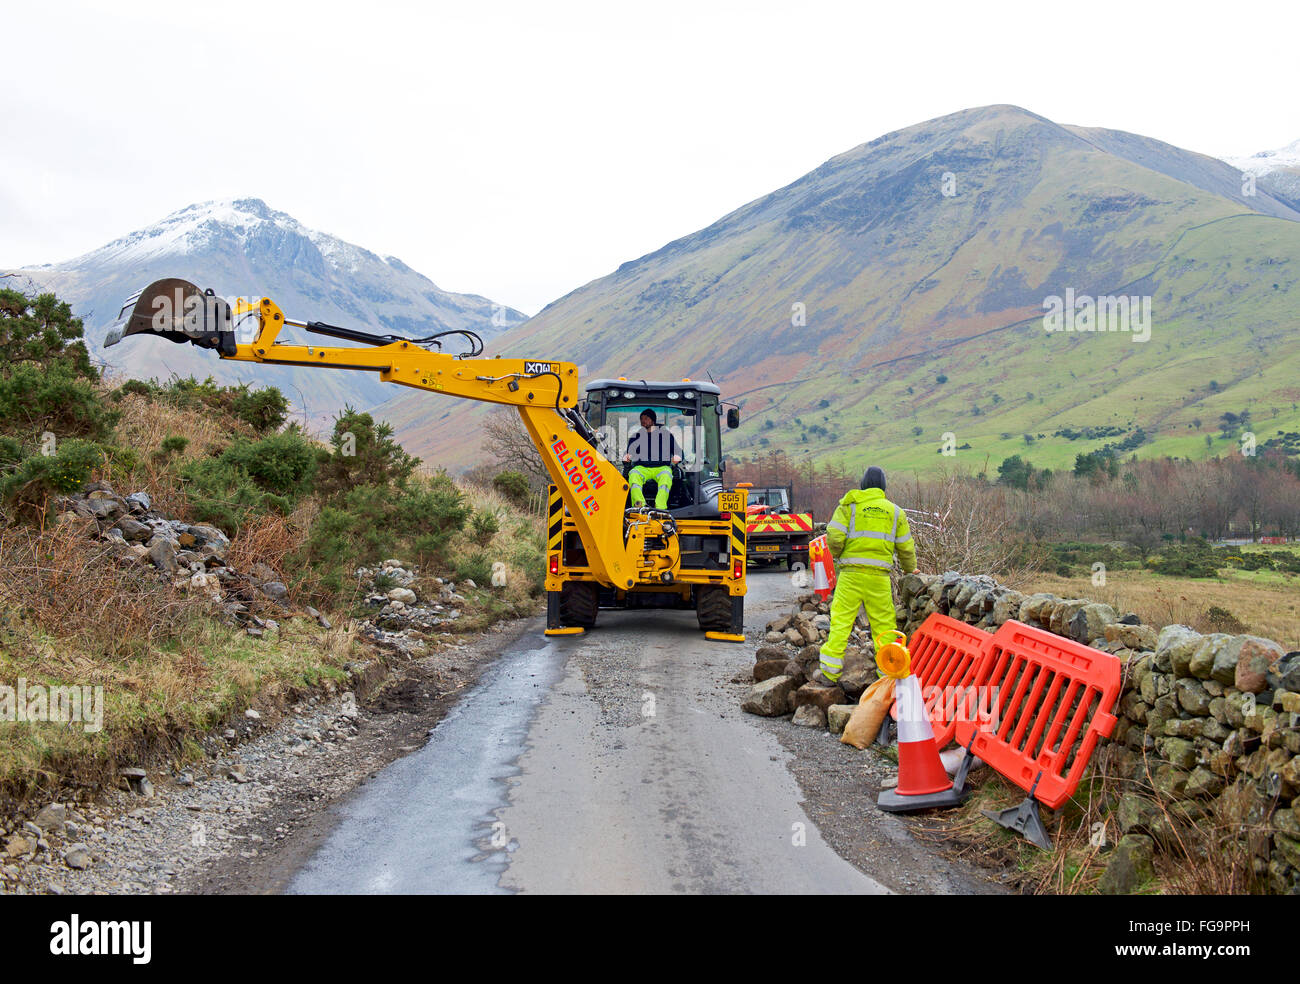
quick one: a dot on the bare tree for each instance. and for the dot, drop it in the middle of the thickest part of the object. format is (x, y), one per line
(961, 524)
(508, 442)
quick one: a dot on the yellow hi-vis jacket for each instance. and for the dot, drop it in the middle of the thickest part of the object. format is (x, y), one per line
(865, 532)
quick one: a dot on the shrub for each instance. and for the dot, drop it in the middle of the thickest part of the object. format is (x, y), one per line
(54, 398)
(1222, 620)
(362, 453)
(227, 497)
(284, 464)
(476, 566)
(485, 527)
(171, 445)
(1194, 559)
(264, 410)
(11, 452)
(513, 485)
(370, 522)
(250, 478)
(28, 487)
(43, 332)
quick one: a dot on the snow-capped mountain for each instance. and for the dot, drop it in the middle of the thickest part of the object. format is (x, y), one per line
(243, 247)
(1276, 171)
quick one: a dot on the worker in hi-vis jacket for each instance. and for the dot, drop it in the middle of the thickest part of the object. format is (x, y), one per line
(865, 534)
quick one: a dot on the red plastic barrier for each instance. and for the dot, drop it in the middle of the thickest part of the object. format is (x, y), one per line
(948, 658)
(1052, 699)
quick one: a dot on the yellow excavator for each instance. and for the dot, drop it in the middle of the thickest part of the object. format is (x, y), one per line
(601, 551)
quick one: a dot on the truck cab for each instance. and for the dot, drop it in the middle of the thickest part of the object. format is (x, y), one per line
(777, 533)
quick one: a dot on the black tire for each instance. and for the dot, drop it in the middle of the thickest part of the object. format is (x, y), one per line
(579, 603)
(713, 608)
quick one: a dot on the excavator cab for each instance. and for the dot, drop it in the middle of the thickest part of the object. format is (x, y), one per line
(691, 412)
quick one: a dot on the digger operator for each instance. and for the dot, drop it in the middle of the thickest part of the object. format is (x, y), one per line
(865, 534)
(652, 451)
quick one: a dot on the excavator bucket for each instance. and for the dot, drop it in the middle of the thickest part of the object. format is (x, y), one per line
(178, 311)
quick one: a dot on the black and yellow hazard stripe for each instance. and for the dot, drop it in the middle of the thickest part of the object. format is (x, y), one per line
(738, 538)
(554, 520)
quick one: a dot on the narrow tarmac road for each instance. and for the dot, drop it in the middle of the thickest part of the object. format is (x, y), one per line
(616, 761)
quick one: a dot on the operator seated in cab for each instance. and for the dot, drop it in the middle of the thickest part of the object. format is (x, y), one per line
(652, 451)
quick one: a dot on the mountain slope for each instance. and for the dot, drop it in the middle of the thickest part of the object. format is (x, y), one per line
(903, 286)
(243, 247)
(1277, 172)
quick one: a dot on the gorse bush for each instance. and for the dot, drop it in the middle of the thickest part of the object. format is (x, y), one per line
(476, 566)
(53, 398)
(283, 464)
(362, 452)
(173, 445)
(375, 506)
(250, 478)
(1193, 559)
(485, 527)
(513, 485)
(35, 479)
(264, 409)
(370, 522)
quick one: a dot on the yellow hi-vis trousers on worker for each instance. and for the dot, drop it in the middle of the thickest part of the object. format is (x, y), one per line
(854, 589)
(661, 475)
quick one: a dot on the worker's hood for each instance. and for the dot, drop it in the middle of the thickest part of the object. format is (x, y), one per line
(865, 497)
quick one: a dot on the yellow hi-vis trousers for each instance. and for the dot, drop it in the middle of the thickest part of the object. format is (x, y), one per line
(854, 589)
(661, 475)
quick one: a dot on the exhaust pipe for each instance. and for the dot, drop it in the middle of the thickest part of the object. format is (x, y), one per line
(178, 311)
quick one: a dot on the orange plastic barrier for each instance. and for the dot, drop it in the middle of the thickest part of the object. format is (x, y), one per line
(948, 657)
(1051, 700)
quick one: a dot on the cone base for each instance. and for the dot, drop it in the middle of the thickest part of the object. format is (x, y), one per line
(920, 769)
(892, 801)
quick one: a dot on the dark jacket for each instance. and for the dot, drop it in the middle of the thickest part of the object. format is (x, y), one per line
(654, 448)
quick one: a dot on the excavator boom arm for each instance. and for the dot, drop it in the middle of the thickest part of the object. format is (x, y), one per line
(543, 391)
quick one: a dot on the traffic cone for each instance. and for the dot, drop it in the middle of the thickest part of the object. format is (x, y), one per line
(820, 556)
(923, 782)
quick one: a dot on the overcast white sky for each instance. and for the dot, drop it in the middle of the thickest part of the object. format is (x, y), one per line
(519, 150)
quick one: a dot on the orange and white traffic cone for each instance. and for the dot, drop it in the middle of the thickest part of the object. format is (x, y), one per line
(819, 556)
(923, 782)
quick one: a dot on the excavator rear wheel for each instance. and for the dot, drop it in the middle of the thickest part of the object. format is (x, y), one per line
(713, 609)
(579, 603)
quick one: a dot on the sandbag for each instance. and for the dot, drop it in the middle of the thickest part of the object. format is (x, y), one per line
(864, 723)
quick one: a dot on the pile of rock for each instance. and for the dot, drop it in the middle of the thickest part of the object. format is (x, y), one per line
(784, 666)
(402, 618)
(190, 556)
(1209, 725)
